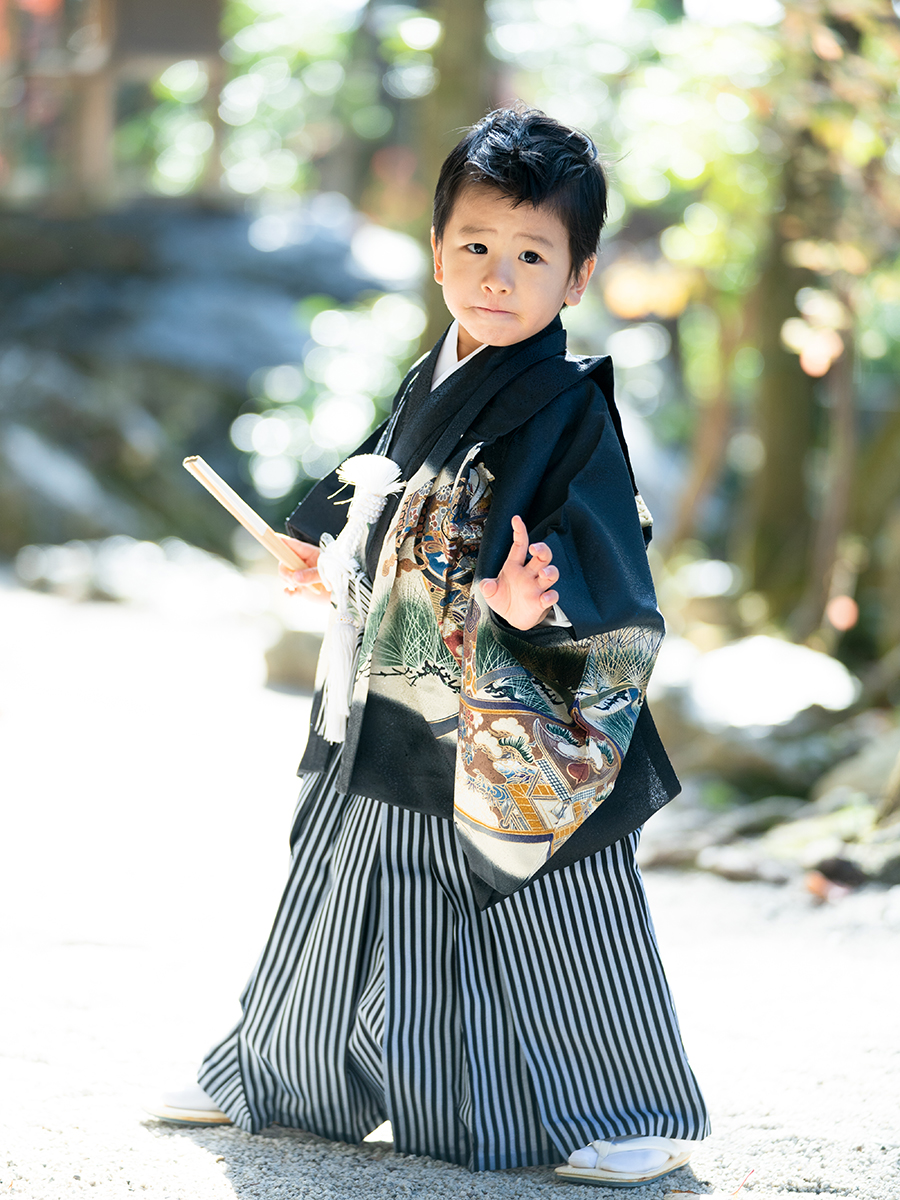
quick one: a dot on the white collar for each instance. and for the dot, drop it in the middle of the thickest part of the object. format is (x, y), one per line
(447, 361)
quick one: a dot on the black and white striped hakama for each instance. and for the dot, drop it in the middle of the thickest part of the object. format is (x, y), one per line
(493, 1039)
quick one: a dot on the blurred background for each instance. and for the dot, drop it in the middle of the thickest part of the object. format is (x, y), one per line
(212, 234)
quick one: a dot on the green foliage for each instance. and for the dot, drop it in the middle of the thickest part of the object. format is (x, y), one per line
(410, 643)
(755, 202)
(312, 91)
(752, 255)
(302, 418)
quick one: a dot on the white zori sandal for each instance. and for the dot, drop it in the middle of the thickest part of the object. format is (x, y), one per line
(625, 1162)
(190, 1106)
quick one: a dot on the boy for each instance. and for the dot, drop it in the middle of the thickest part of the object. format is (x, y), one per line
(463, 946)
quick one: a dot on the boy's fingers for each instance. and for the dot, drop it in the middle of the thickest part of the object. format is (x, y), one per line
(489, 588)
(294, 574)
(519, 550)
(307, 553)
(550, 574)
(541, 551)
(549, 599)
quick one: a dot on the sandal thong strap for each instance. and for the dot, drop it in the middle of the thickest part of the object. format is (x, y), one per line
(605, 1149)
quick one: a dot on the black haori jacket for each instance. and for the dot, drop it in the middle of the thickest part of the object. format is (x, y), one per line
(538, 744)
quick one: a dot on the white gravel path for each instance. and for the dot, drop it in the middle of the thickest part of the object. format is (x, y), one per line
(147, 783)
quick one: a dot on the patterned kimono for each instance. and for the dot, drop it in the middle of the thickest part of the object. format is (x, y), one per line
(523, 738)
(463, 946)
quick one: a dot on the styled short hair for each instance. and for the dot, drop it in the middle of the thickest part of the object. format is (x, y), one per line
(530, 158)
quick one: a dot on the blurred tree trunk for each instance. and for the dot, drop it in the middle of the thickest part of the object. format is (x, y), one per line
(462, 96)
(346, 168)
(890, 802)
(876, 482)
(211, 181)
(875, 519)
(777, 543)
(89, 143)
(710, 439)
(835, 511)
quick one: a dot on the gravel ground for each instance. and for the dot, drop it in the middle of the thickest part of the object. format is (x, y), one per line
(148, 782)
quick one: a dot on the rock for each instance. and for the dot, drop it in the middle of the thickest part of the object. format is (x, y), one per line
(757, 761)
(836, 798)
(810, 840)
(756, 681)
(200, 296)
(777, 839)
(889, 804)
(750, 819)
(129, 340)
(681, 831)
(867, 771)
(783, 759)
(841, 841)
(744, 862)
(761, 713)
(841, 871)
(676, 834)
(767, 681)
(879, 855)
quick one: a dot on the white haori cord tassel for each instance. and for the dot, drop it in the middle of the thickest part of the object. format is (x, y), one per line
(374, 478)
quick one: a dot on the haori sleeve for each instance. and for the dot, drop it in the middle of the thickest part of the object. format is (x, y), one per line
(565, 473)
(547, 716)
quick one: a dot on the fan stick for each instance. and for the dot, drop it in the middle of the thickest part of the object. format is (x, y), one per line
(242, 512)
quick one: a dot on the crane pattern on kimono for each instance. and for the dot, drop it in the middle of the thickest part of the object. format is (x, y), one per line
(518, 765)
(554, 765)
(533, 758)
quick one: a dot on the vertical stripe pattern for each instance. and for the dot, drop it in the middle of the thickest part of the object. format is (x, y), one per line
(493, 1039)
(288, 1061)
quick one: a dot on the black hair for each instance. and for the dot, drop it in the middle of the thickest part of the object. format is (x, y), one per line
(530, 158)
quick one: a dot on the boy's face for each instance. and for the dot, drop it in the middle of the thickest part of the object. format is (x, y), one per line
(506, 270)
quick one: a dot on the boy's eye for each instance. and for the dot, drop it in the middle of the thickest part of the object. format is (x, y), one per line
(477, 248)
(530, 256)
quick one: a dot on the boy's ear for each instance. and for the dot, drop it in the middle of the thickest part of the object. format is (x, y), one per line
(436, 250)
(579, 282)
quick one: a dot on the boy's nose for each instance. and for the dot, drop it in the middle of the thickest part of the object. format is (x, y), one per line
(496, 283)
(498, 277)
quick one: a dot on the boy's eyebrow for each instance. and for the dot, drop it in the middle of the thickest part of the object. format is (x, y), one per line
(531, 237)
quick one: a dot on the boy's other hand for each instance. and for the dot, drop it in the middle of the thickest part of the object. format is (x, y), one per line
(520, 592)
(306, 580)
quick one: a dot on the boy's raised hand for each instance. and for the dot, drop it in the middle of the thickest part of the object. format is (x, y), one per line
(519, 593)
(306, 580)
